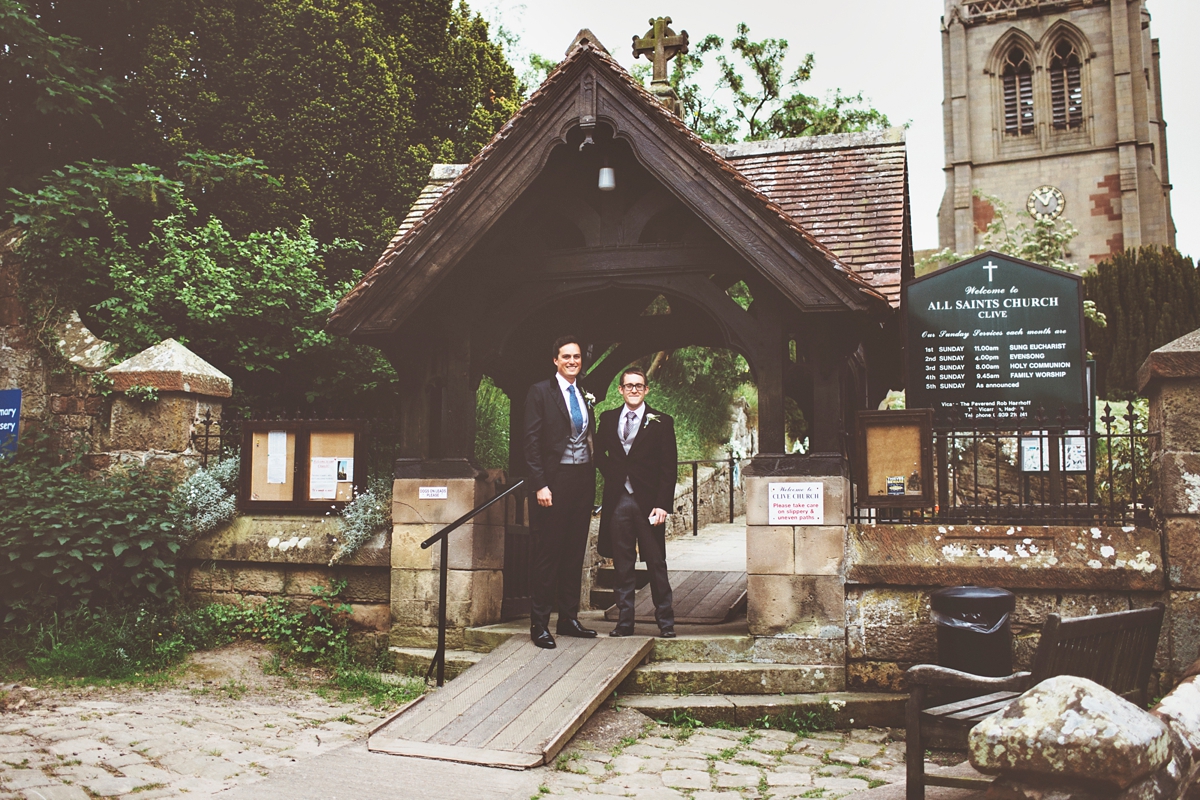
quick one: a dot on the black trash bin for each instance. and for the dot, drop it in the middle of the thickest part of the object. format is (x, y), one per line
(973, 631)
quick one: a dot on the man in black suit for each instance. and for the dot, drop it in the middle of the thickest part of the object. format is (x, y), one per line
(637, 455)
(558, 454)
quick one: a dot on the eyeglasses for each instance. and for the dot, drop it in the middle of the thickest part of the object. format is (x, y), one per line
(634, 387)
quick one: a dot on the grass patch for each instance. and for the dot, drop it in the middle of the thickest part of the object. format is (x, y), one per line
(356, 683)
(801, 721)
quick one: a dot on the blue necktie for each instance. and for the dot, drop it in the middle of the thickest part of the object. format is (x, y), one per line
(576, 411)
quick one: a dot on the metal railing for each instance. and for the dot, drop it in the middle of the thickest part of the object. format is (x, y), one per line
(695, 463)
(1037, 470)
(439, 656)
(215, 439)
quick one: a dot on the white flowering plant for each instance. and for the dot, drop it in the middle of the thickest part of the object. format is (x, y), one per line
(206, 500)
(363, 517)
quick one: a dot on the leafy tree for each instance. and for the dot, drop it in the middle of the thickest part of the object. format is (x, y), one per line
(768, 103)
(1042, 241)
(1150, 296)
(253, 305)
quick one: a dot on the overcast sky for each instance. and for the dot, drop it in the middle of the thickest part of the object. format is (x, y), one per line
(888, 49)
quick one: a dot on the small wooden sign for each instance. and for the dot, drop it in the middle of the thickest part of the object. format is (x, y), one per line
(895, 458)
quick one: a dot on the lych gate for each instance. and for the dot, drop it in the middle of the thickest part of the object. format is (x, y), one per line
(523, 244)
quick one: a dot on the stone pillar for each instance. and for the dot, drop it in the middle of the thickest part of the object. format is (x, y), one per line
(159, 433)
(428, 495)
(1170, 377)
(795, 586)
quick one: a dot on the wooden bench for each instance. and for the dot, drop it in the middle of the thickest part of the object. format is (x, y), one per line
(1114, 650)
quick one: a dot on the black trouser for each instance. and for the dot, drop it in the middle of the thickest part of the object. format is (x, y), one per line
(630, 526)
(558, 539)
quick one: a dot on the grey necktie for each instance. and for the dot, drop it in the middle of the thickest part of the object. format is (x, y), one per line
(629, 419)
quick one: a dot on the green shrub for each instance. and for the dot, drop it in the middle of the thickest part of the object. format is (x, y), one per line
(207, 499)
(66, 539)
(363, 517)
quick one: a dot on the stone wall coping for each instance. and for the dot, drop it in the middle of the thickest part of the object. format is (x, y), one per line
(1012, 556)
(286, 539)
(170, 367)
(767, 465)
(1177, 359)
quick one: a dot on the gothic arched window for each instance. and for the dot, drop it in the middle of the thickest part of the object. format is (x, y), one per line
(1066, 90)
(1017, 76)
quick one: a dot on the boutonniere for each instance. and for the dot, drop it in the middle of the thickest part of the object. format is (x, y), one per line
(590, 399)
(652, 418)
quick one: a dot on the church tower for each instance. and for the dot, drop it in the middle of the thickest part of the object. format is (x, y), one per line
(1054, 106)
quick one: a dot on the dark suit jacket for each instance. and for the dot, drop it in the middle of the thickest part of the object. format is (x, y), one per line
(650, 466)
(548, 431)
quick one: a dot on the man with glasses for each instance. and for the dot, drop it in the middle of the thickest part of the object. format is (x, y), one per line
(558, 457)
(637, 455)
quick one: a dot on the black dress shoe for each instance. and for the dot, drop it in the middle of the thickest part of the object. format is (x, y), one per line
(542, 638)
(666, 633)
(571, 627)
(619, 631)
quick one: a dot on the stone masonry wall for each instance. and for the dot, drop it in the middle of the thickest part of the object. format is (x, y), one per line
(262, 557)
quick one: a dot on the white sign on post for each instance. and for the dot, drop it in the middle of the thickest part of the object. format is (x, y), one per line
(796, 503)
(433, 493)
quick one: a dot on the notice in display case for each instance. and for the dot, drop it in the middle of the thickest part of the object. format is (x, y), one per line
(895, 458)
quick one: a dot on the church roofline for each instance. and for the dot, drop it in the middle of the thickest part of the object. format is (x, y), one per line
(834, 141)
(367, 309)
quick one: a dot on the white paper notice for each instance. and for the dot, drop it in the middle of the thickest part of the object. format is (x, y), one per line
(796, 504)
(277, 457)
(433, 493)
(322, 478)
(345, 470)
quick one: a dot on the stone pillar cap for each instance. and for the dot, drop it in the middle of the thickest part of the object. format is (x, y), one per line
(171, 367)
(1177, 359)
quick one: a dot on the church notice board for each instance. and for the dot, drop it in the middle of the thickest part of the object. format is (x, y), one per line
(895, 458)
(301, 465)
(995, 338)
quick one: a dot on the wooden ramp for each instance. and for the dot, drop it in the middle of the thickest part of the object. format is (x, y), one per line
(701, 598)
(517, 707)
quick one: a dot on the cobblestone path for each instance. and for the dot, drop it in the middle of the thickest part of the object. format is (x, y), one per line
(717, 764)
(165, 743)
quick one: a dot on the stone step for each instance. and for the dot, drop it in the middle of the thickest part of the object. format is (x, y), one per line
(416, 660)
(688, 678)
(830, 709)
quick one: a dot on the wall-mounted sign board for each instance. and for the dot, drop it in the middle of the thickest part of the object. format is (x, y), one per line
(894, 466)
(995, 338)
(10, 421)
(300, 465)
(796, 503)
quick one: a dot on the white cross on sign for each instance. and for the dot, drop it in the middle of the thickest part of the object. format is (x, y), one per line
(990, 267)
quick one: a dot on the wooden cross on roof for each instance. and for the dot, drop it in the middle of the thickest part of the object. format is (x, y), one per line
(660, 45)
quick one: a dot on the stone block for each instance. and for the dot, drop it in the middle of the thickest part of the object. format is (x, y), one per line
(1183, 552)
(770, 550)
(170, 367)
(1177, 483)
(300, 581)
(802, 604)
(209, 578)
(836, 489)
(890, 624)
(473, 597)
(1032, 608)
(371, 617)
(406, 546)
(799, 649)
(258, 579)
(164, 425)
(473, 546)
(820, 549)
(462, 495)
(366, 585)
(1085, 605)
(1068, 728)
(876, 676)
(1183, 624)
(1173, 413)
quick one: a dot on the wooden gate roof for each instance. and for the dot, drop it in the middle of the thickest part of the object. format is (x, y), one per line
(461, 204)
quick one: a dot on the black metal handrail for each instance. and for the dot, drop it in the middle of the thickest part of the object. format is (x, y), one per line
(695, 462)
(439, 656)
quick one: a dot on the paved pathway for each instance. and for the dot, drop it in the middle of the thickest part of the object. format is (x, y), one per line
(717, 764)
(719, 547)
(165, 743)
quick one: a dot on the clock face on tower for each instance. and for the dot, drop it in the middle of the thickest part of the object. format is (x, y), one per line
(1045, 202)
